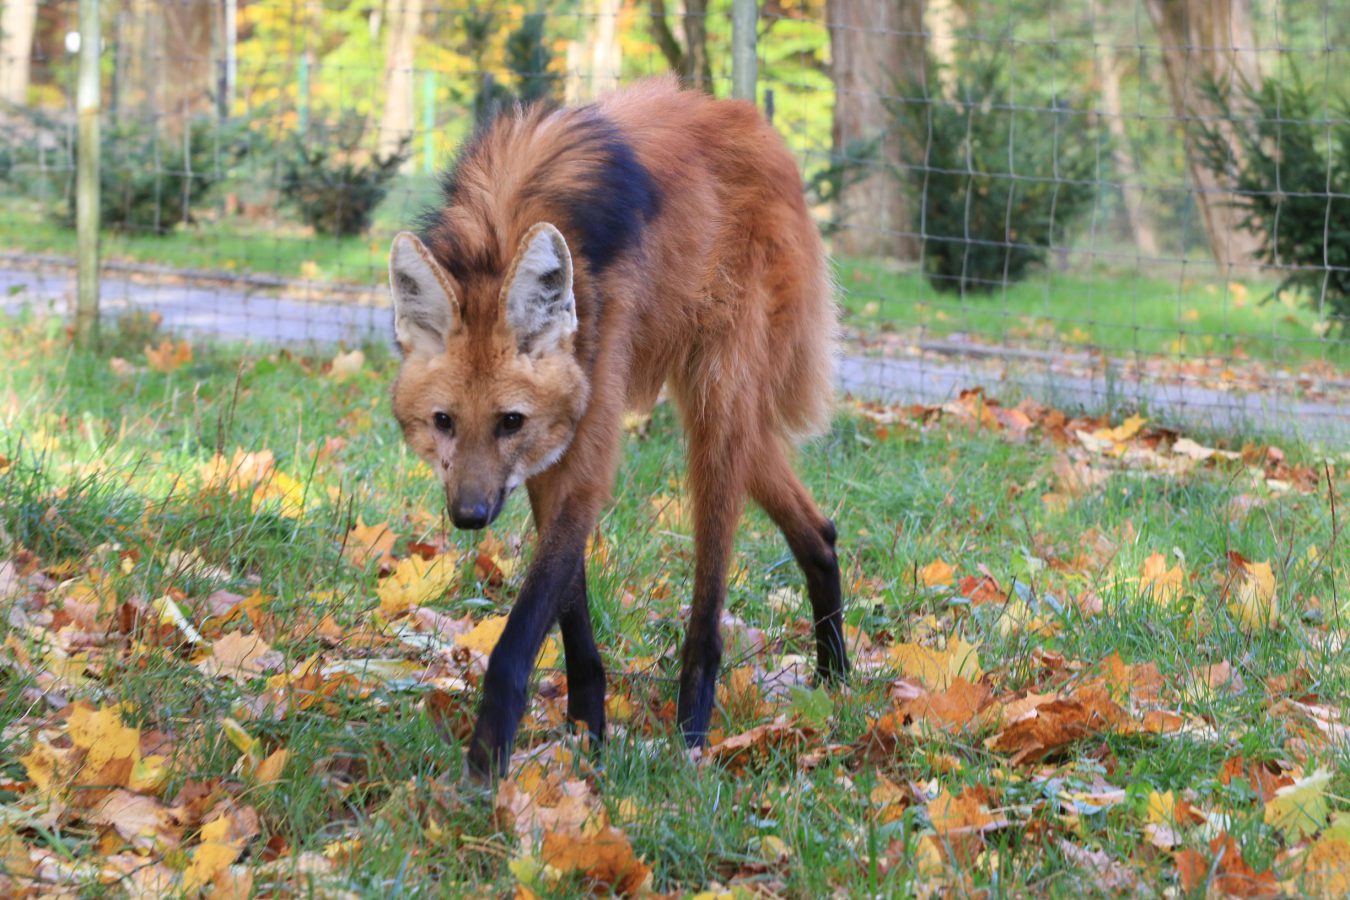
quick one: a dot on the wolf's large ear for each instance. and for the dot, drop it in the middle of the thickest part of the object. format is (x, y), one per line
(541, 310)
(425, 310)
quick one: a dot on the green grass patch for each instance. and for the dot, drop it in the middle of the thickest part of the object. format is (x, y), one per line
(101, 481)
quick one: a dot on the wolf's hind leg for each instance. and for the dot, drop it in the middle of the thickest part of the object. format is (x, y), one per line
(811, 537)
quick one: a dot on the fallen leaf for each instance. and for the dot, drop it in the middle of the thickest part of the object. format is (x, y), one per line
(345, 365)
(415, 582)
(1051, 726)
(1300, 809)
(366, 543)
(1163, 584)
(936, 573)
(604, 860)
(751, 749)
(936, 669)
(168, 355)
(241, 657)
(1224, 871)
(1252, 600)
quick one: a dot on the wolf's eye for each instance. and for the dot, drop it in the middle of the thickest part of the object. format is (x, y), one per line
(511, 422)
(443, 423)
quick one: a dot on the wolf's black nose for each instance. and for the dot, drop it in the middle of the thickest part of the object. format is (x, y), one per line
(472, 514)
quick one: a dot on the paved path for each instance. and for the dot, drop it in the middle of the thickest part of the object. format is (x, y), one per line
(240, 315)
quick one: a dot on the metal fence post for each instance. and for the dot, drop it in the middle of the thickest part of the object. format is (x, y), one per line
(744, 20)
(87, 184)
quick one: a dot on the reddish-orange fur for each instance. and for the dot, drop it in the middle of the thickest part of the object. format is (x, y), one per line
(726, 299)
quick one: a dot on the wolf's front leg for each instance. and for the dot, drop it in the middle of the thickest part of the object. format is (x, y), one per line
(552, 574)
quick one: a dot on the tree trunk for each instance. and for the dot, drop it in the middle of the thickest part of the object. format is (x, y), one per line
(594, 62)
(18, 21)
(403, 21)
(1209, 39)
(188, 62)
(876, 51)
(1108, 73)
(690, 61)
(943, 18)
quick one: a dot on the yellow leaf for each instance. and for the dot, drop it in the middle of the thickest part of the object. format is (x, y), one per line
(1122, 432)
(369, 542)
(415, 582)
(270, 769)
(1164, 584)
(235, 734)
(1300, 809)
(936, 573)
(1254, 603)
(935, 669)
(215, 853)
(1162, 808)
(345, 365)
(1326, 867)
(484, 636)
(281, 494)
(103, 737)
(149, 775)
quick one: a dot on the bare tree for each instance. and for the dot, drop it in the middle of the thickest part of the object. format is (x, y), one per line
(691, 61)
(18, 21)
(877, 48)
(403, 21)
(1209, 39)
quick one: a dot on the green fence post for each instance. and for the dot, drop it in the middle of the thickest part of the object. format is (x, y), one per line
(744, 16)
(303, 99)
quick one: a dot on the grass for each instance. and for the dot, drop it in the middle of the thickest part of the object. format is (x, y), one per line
(1190, 313)
(1123, 311)
(98, 469)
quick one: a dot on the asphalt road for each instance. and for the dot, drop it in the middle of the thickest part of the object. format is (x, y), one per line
(231, 314)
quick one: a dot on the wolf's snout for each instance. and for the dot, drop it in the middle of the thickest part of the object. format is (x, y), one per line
(474, 511)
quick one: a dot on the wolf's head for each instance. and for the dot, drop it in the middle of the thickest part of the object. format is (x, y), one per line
(492, 402)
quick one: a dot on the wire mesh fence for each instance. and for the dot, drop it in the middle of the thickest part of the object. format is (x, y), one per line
(1147, 201)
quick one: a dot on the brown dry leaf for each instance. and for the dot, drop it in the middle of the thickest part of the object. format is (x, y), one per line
(1052, 726)
(604, 860)
(1320, 725)
(1109, 873)
(952, 708)
(142, 821)
(964, 813)
(1166, 585)
(1231, 874)
(936, 573)
(751, 749)
(936, 669)
(240, 657)
(370, 542)
(984, 589)
(168, 355)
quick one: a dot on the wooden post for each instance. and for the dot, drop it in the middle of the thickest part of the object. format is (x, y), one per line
(744, 21)
(87, 184)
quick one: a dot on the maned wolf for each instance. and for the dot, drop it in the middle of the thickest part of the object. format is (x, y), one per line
(583, 258)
